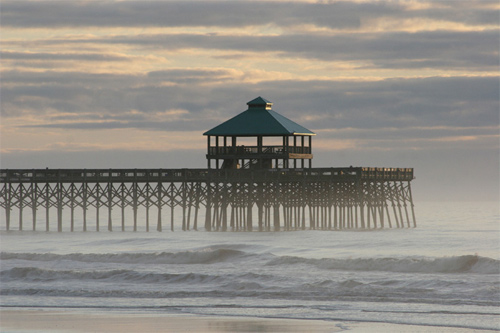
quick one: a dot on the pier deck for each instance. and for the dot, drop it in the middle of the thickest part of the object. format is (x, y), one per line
(179, 175)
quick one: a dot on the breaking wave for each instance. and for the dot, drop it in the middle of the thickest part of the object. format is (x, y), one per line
(39, 274)
(457, 264)
(206, 256)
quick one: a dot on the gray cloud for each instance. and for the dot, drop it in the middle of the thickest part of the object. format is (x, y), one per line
(230, 13)
(40, 56)
(191, 76)
(74, 78)
(448, 50)
(391, 133)
(454, 101)
(435, 101)
(175, 125)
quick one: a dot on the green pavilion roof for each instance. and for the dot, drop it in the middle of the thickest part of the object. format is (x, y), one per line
(259, 119)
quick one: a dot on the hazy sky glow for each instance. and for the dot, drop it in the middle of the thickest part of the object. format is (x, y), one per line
(135, 83)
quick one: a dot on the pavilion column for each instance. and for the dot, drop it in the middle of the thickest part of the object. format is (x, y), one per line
(286, 143)
(259, 150)
(303, 150)
(208, 151)
(224, 150)
(310, 151)
(225, 145)
(233, 150)
(216, 152)
(294, 150)
(284, 150)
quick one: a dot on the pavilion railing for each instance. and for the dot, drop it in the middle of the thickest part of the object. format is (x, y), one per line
(246, 150)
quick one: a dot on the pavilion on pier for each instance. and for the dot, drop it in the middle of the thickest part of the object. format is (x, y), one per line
(259, 138)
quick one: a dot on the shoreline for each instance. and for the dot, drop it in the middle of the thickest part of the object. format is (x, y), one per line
(82, 320)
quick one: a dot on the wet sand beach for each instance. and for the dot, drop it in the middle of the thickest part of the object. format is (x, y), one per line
(36, 320)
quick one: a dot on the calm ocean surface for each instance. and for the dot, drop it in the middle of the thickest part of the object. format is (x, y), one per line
(446, 272)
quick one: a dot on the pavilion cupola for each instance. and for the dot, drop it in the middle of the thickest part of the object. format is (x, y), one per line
(275, 141)
(259, 104)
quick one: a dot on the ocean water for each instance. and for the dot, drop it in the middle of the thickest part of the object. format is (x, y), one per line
(445, 272)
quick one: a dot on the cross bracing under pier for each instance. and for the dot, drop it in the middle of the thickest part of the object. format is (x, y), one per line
(213, 199)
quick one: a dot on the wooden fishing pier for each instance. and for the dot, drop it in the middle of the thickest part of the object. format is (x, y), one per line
(272, 185)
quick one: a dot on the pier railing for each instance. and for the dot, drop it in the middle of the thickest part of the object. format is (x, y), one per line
(203, 175)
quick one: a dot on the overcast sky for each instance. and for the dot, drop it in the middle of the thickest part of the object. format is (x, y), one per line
(134, 84)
